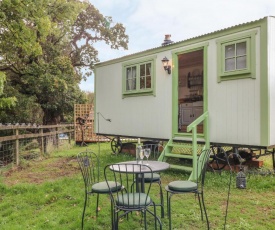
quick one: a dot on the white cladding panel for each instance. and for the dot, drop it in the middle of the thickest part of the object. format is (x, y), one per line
(271, 78)
(233, 105)
(140, 116)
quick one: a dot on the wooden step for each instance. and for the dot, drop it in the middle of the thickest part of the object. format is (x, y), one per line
(183, 145)
(174, 155)
(189, 139)
(181, 167)
(180, 146)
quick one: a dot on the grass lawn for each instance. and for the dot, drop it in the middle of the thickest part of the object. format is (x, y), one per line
(48, 193)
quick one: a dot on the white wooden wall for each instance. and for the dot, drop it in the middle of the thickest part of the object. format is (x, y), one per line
(234, 105)
(142, 116)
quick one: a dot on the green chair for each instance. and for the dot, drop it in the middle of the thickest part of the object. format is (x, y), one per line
(134, 196)
(89, 165)
(196, 187)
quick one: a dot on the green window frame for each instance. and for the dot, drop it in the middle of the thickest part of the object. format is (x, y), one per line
(236, 57)
(139, 78)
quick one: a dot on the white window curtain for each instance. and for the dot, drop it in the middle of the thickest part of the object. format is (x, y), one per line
(131, 78)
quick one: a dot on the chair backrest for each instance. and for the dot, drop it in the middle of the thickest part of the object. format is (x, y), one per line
(134, 194)
(156, 149)
(89, 165)
(202, 165)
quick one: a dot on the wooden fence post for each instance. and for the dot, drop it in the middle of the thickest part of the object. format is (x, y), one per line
(17, 148)
(57, 137)
(42, 140)
(70, 137)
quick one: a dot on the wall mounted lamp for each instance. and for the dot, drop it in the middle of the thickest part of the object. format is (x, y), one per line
(166, 66)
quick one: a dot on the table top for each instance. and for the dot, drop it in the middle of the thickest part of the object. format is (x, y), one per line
(155, 166)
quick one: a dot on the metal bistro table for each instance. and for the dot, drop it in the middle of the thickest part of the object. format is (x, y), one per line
(156, 166)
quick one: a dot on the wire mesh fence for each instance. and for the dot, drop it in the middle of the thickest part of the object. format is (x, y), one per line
(27, 142)
(7, 150)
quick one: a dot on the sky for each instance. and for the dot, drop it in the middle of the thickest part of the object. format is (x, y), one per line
(147, 21)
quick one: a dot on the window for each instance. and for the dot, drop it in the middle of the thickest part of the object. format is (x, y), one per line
(145, 76)
(139, 78)
(236, 57)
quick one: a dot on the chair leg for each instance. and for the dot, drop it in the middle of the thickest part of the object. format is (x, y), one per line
(97, 200)
(169, 209)
(157, 219)
(167, 201)
(204, 208)
(112, 215)
(154, 214)
(116, 221)
(84, 209)
(144, 218)
(161, 200)
(199, 198)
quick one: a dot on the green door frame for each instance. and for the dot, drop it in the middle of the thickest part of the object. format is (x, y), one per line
(175, 86)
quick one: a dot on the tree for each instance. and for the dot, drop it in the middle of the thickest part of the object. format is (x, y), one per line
(5, 102)
(90, 97)
(46, 48)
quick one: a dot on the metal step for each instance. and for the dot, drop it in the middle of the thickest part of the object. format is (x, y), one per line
(181, 167)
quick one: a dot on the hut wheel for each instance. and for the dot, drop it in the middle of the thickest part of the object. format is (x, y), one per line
(116, 145)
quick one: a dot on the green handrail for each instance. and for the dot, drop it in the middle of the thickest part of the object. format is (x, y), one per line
(193, 127)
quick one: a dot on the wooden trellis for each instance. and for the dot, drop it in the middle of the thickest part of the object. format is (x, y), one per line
(84, 123)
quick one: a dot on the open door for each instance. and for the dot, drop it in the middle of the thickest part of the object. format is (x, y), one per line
(190, 89)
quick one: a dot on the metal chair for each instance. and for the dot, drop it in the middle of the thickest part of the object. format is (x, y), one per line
(89, 165)
(183, 187)
(155, 150)
(126, 201)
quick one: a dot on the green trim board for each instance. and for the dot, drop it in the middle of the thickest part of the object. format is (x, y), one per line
(139, 70)
(205, 88)
(175, 76)
(264, 91)
(174, 94)
(249, 70)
